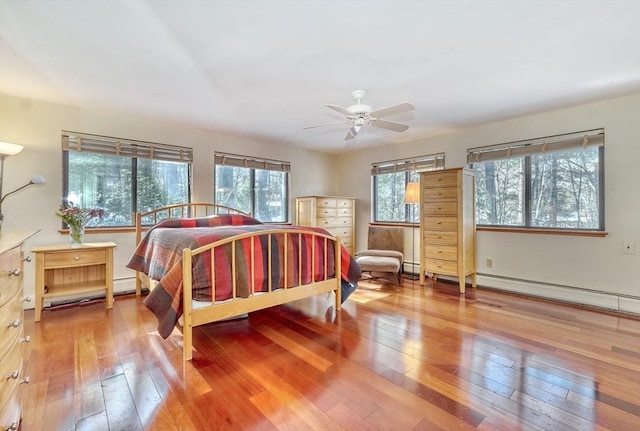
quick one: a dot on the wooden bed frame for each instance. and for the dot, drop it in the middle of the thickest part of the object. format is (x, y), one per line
(239, 305)
(150, 218)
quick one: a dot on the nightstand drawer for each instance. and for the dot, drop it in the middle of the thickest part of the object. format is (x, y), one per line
(74, 258)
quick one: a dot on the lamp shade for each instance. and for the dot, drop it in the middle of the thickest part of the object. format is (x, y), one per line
(7, 149)
(412, 193)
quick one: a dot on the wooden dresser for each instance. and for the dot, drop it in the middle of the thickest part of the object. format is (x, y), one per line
(12, 334)
(448, 224)
(334, 213)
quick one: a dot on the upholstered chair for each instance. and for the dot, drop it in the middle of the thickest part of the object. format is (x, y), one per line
(384, 255)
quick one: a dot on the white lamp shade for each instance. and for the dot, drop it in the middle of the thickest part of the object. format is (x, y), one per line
(7, 149)
(412, 193)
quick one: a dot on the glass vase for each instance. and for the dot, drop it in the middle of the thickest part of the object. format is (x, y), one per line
(76, 235)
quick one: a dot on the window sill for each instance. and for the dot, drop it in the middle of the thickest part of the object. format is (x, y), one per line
(540, 231)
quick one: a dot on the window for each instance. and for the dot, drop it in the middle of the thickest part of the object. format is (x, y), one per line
(257, 186)
(555, 182)
(390, 181)
(123, 176)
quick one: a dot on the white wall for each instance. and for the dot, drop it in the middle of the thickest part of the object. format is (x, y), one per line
(544, 262)
(37, 125)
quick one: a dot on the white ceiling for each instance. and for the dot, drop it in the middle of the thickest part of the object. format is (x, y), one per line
(265, 69)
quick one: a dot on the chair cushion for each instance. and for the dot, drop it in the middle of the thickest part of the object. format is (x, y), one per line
(382, 253)
(379, 263)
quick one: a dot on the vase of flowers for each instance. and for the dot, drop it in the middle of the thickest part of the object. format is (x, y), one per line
(77, 219)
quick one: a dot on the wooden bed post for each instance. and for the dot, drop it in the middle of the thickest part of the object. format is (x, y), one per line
(338, 274)
(186, 305)
(138, 239)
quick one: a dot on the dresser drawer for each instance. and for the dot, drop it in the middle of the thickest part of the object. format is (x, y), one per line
(436, 251)
(441, 208)
(344, 203)
(438, 266)
(10, 284)
(327, 212)
(341, 232)
(74, 258)
(10, 414)
(441, 223)
(440, 194)
(10, 313)
(344, 212)
(10, 366)
(440, 237)
(444, 179)
(326, 202)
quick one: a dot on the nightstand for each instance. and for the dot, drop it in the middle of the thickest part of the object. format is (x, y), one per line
(63, 270)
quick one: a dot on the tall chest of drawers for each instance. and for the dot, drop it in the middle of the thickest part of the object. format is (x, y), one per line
(336, 214)
(12, 334)
(448, 224)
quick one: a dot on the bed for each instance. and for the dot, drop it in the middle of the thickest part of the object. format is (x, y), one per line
(204, 263)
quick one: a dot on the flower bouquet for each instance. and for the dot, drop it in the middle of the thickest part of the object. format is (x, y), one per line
(77, 219)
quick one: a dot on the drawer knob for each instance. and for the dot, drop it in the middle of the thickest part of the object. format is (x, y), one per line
(16, 272)
(12, 427)
(14, 375)
(25, 339)
(14, 324)
(27, 259)
(26, 299)
(25, 381)
(439, 222)
(76, 257)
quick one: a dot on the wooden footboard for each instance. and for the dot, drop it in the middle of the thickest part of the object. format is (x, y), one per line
(145, 220)
(257, 300)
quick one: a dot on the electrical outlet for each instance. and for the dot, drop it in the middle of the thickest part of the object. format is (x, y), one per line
(489, 263)
(628, 247)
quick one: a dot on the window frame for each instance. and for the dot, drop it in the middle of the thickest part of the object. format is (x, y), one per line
(127, 148)
(253, 164)
(526, 149)
(408, 166)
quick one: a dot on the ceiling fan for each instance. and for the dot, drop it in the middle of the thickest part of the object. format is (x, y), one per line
(360, 115)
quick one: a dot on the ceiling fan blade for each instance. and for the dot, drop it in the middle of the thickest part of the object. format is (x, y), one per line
(341, 110)
(390, 125)
(325, 124)
(392, 110)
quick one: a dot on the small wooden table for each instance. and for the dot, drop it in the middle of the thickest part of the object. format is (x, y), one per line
(68, 270)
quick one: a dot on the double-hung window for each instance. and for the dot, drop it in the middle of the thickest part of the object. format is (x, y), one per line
(555, 182)
(123, 176)
(389, 184)
(254, 185)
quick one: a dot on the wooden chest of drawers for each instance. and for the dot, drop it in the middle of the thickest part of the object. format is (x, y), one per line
(333, 213)
(12, 334)
(447, 224)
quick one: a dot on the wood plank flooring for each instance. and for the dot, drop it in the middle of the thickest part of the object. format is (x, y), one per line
(421, 359)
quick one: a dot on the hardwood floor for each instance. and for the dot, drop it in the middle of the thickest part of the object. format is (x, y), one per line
(421, 359)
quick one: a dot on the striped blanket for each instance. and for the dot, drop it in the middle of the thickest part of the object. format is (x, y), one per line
(159, 255)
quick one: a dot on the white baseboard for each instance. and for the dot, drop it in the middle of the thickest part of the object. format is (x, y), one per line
(120, 286)
(573, 295)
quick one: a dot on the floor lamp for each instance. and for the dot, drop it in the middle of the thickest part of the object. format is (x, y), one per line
(412, 197)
